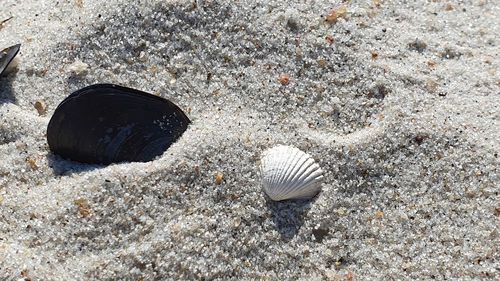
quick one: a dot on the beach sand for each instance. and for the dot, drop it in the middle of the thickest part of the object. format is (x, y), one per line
(398, 101)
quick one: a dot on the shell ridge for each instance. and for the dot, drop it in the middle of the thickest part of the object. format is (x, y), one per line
(312, 179)
(289, 188)
(298, 161)
(277, 158)
(288, 165)
(308, 192)
(273, 169)
(311, 184)
(309, 172)
(269, 171)
(265, 172)
(284, 182)
(298, 164)
(289, 173)
(315, 175)
(300, 173)
(302, 181)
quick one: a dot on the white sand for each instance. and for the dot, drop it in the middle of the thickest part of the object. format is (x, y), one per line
(409, 138)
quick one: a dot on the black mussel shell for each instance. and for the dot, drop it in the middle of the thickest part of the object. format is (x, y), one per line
(106, 123)
(7, 55)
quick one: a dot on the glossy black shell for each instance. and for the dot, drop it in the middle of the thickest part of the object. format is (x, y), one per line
(7, 55)
(106, 123)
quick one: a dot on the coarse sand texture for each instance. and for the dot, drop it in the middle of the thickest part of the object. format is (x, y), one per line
(398, 102)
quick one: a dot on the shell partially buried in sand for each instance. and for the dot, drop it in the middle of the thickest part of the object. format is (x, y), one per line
(289, 173)
(105, 123)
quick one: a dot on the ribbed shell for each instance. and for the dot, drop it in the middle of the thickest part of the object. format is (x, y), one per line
(289, 173)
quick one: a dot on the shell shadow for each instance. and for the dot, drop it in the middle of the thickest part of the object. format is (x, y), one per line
(6, 93)
(288, 216)
(63, 167)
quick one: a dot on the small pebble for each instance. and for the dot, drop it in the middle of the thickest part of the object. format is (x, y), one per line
(32, 163)
(219, 178)
(329, 39)
(83, 207)
(336, 13)
(79, 68)
(41, 107)
(284, 79)
(431, 86)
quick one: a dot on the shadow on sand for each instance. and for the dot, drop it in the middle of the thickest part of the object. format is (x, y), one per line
(6, 92)
(63, 167)
(288, 216)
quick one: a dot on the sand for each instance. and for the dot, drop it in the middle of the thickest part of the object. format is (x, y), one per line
(398, 101)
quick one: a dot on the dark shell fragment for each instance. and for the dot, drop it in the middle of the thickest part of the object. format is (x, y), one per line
(106, 123)
(7, 55)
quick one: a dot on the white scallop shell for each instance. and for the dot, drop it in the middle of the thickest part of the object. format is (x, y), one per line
(289, 173)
